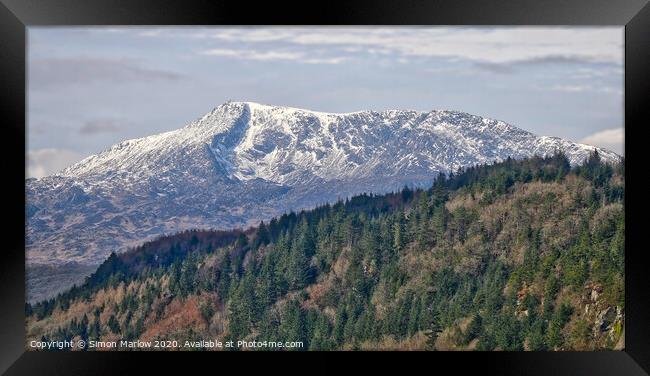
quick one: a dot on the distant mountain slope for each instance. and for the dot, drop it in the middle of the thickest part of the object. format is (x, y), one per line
(46, 280)
(521, 255)
(244, 162)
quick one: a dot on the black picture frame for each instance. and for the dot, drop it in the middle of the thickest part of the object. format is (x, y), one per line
(17, 15)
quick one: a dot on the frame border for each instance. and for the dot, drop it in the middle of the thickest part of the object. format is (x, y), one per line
(17, 15)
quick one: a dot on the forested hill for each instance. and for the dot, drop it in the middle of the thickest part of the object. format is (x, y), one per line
(520, 255)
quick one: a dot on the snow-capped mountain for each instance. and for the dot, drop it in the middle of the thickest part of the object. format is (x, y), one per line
(245, 162)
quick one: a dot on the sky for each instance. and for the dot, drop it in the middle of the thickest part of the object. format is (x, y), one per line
(92, 87)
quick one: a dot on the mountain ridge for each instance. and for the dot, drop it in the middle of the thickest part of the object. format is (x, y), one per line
(244, 162)
(207, 124)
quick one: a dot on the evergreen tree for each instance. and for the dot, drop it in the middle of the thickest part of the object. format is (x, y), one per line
(299, 271)
(474, 329)
(434, 330)
(292, 326)
(113, 325)
(262, 236)
(398, 232)
(224, 277)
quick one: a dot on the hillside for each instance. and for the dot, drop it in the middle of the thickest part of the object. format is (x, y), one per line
(519, 255)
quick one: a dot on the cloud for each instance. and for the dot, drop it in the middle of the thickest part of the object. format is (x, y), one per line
(108, 30)
(571, 88)
(500, 50)
(512, 66)
(496, 68)
(44, 162)
(612, 139)
(496, 45)
(253, 55)
(150, 33)
(67, 71)
(100, 126)
(485, 45)
(331, 60)
(590, 73)
(567, 88)
(272, 55)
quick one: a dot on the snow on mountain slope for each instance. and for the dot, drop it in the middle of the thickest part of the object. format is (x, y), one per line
(244, 162)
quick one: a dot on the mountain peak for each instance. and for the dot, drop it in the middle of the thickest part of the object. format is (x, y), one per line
(287, 110)
(256, 106)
